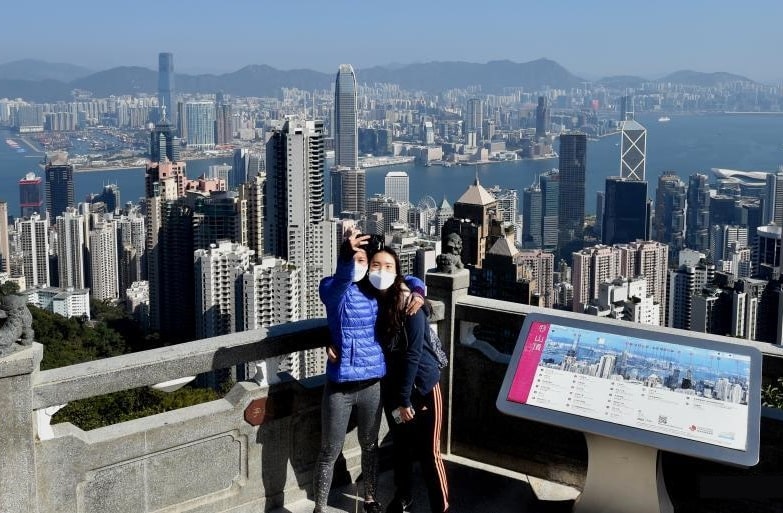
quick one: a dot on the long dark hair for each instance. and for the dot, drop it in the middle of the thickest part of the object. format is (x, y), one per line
(391, 305)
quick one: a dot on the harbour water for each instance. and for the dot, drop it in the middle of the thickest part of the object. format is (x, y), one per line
(686, 144)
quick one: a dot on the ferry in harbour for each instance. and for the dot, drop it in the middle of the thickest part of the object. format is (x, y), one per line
(664, 119)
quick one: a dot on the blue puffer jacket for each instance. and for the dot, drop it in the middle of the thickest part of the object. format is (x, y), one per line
(351, 316)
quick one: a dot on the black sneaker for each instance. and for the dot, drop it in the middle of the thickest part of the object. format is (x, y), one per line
(399, 505)
(373, 507)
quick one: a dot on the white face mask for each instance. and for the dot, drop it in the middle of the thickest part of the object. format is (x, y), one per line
(358, 272)
(382, 280)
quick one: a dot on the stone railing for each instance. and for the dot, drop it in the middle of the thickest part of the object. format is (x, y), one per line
(249, 451)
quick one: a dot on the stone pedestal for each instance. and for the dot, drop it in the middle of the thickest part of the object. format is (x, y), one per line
(447, 288)
(17, 436)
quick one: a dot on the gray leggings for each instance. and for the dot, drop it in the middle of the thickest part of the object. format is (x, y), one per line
(338, 401)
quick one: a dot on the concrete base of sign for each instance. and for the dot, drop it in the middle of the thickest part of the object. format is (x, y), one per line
(622, 477)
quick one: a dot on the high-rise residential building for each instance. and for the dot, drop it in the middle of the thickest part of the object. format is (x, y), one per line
(649, 260)
(669, 220)
(71, 228)
(593, 266)
(295, 227)
(697, 218)
(218, 216)
(773, 199)
(542, 117)
(397, 186)
(200, 124)
(31, 195)
(508, 203)
(59, 188)
(474, 122)
(166, 95)
(532, 216)
(4, 245)
(346, 139)
(271, 290)
(571, 211)
(539, 265)
(218, 274)
(724, 238)
(34, 241)
(252, 193)
(682, 286)
(626, 212)
(103, 256)
(131, 251)
(633, 149)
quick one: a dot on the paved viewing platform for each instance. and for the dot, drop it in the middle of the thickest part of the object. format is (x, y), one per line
(253, 451)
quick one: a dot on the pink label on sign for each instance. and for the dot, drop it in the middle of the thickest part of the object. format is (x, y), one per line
(528, 362)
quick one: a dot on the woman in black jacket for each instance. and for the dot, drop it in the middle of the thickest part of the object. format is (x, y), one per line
(411, 391)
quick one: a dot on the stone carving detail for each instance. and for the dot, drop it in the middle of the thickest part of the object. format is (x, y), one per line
(450, 261)
(17, 325)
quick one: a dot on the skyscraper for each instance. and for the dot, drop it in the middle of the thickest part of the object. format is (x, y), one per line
(531, 216)
(542, 117)
(71, 228)
(773, 199)
(103, 256)
(295, 227)
(397, 186)
(626, 215)
(571, 217)
(163, 144)
(166, 86)
(346, 152)
(34, 239)
(200, 124)
(224, 121)
(669, 221)
(59, 188)
(109, 196)
(550, 209)
(474, 122)
(697, 233)
(633, 148)
(31, 195)
(349, 186)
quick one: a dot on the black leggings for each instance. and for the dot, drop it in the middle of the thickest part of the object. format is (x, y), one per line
(419, 439)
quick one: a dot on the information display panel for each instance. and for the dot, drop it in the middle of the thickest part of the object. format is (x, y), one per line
(669, 389)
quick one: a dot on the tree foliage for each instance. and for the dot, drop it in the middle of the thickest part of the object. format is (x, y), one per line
(110, 333)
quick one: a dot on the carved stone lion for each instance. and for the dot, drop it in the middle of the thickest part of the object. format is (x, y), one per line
(451, 259)
(18, 324)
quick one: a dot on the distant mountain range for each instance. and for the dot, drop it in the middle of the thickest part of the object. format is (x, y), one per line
(45, 82)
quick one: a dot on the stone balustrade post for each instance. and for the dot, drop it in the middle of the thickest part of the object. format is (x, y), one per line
(17, 434)
(447, 288)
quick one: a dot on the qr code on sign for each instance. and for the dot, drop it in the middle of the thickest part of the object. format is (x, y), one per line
(662, 419)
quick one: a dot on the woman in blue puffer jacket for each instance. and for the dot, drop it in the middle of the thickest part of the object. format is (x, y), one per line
(356, 365)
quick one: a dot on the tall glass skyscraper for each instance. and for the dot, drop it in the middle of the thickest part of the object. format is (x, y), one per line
(201, 124)
(626, 216)
(669, 221)
(59, 188)
(573, 163)
(633, 150)
(346, 149)
(542, 117)
(166, 86)
(30, 195)
(697, 231)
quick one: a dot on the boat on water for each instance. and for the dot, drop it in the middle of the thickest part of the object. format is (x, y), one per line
(664, 119)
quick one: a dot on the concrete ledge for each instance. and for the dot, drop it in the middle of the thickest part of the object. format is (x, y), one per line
(60, 386)
(22, 361)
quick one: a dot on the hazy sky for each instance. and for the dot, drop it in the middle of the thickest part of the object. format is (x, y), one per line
(592, 39)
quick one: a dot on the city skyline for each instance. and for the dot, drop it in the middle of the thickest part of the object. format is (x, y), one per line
(586, 42)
